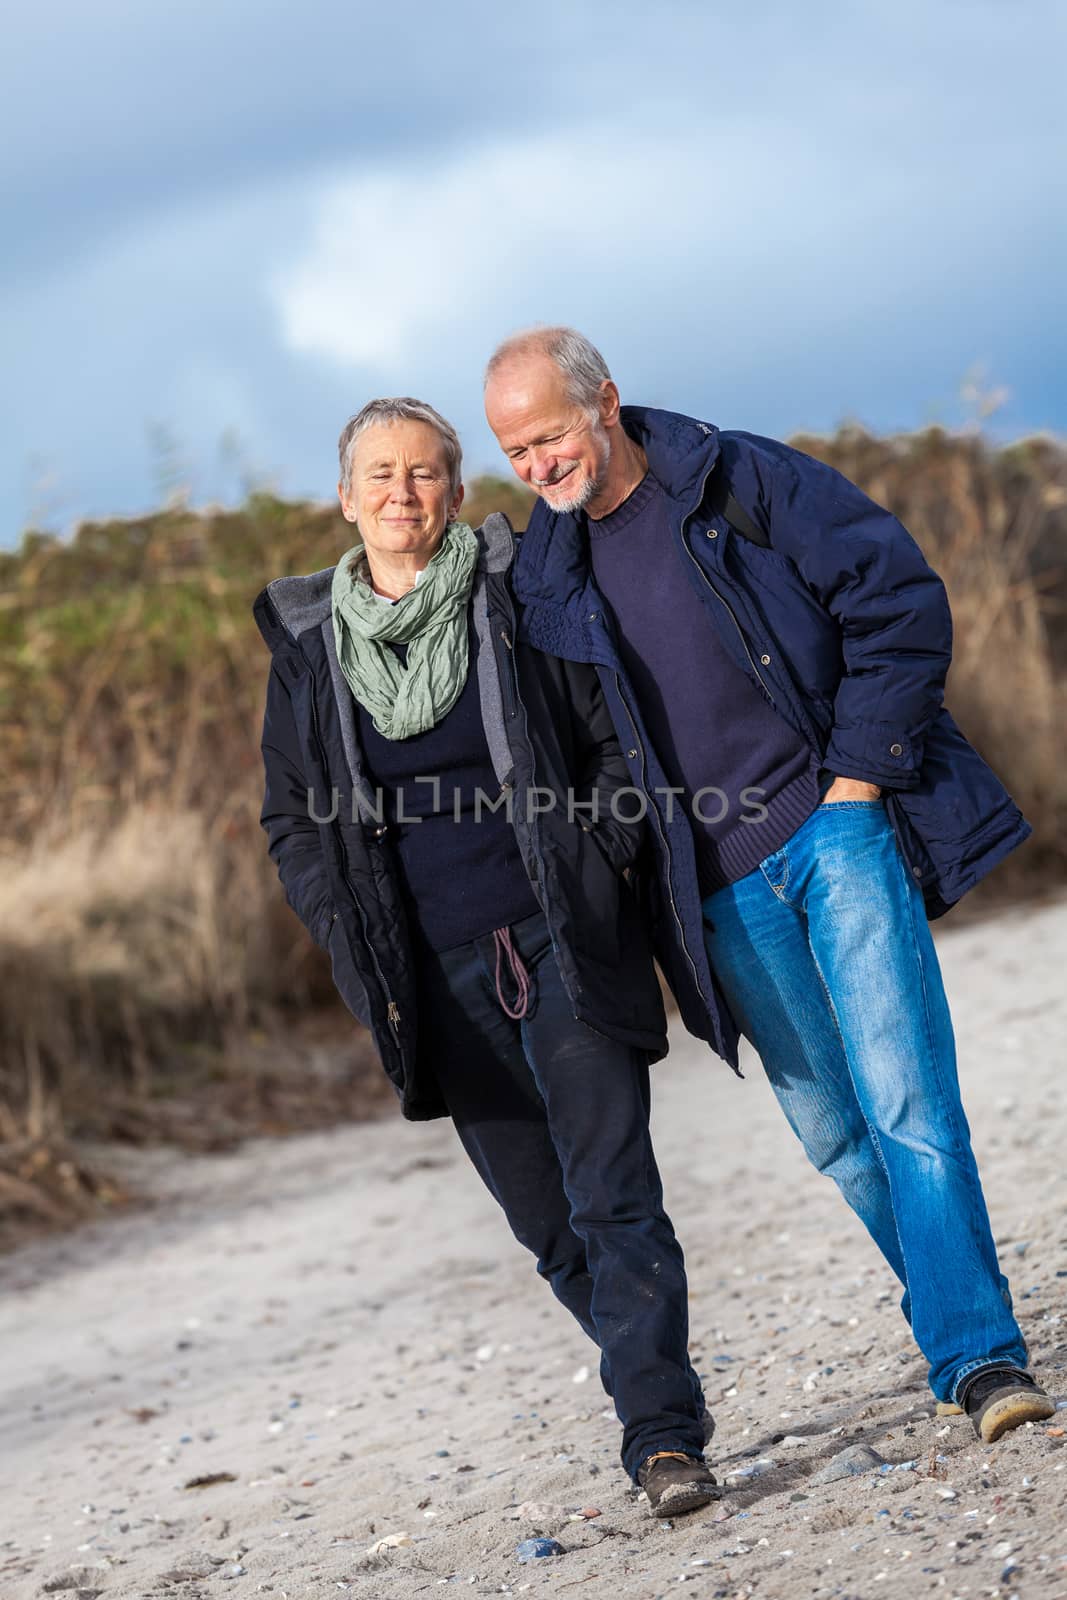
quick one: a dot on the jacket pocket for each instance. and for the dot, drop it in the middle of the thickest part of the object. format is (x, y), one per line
(960, 813)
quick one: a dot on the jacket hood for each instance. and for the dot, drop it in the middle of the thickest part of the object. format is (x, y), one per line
(552, 562)
(289, 606)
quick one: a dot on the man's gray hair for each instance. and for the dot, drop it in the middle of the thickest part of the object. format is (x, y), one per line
(400, 408)
(579, 360)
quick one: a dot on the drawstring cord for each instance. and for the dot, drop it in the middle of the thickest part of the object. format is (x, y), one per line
(504, 946)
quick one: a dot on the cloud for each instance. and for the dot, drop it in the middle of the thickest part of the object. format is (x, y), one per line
(256, 217)
(768, 247)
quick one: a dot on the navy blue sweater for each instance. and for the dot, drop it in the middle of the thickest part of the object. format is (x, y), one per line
(462, 873)
(711, 726)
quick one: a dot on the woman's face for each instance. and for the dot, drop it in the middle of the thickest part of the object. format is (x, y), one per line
(400, 495)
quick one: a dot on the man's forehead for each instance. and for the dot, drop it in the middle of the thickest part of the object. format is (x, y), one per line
(528, 395)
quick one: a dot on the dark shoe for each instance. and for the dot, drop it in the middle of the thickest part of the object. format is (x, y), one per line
(675, 1483)
(1000, 1398)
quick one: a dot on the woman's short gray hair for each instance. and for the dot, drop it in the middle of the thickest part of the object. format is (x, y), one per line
(400, 408)
(579, 360)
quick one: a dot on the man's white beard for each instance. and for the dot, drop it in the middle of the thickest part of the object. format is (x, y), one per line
(589, 486)
(581, 497)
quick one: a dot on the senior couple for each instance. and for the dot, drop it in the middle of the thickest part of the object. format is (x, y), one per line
(697, 713)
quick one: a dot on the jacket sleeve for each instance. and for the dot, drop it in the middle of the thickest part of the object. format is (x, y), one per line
(292, 836)
(863, 566)
(602, 769)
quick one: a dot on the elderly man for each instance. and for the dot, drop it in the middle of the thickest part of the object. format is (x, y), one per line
(773, 648)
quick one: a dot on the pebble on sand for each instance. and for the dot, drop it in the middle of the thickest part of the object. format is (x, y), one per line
(539, 1512)
(850, 1463)
(754, 1469)
(391, 1541)
(537, 1549)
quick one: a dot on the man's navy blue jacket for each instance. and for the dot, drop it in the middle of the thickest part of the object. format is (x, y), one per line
(829, 605)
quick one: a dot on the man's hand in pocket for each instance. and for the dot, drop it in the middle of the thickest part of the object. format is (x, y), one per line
(851, 789)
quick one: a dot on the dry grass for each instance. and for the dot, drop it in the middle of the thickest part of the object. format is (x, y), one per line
(155, 987)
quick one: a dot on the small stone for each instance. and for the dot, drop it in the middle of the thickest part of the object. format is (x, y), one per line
(391, 1541)
(539, 1512)
(754, 1469)
(850, 1463)
(538, 1549)
(581, 1376)
(485, 1352)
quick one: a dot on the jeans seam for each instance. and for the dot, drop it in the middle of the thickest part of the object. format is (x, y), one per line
(872, 1132)
(935, 1055)
(777, 888)
(973, 1180)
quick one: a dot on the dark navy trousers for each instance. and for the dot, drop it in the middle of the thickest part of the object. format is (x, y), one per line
(554, 1117)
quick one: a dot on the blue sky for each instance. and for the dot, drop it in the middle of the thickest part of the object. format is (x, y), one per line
(227, 225)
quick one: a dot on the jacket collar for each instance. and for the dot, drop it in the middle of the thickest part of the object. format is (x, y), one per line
(289, 606)
(552, 563)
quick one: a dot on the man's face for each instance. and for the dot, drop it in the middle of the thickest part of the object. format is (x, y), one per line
(553, 445)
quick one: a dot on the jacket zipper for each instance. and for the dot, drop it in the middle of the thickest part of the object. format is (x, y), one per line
(510, 678)
(392, 1011)
(715, 592)
(520, 709)
(661, 831)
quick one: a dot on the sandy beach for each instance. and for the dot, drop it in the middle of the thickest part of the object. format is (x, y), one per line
(308, 1347)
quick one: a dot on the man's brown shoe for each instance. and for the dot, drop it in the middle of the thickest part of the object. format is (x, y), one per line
(675, 1483)
(1000, 1398)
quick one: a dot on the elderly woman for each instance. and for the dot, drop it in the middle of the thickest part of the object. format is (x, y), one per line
(439, 807)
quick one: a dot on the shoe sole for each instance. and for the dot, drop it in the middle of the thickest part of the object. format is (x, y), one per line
(684, 1497)
(1010, 1409)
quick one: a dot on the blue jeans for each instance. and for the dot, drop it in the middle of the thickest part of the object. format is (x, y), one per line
(554, 1117)
(825, 957)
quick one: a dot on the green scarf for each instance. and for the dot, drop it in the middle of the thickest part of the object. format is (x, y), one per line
(431, 619)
